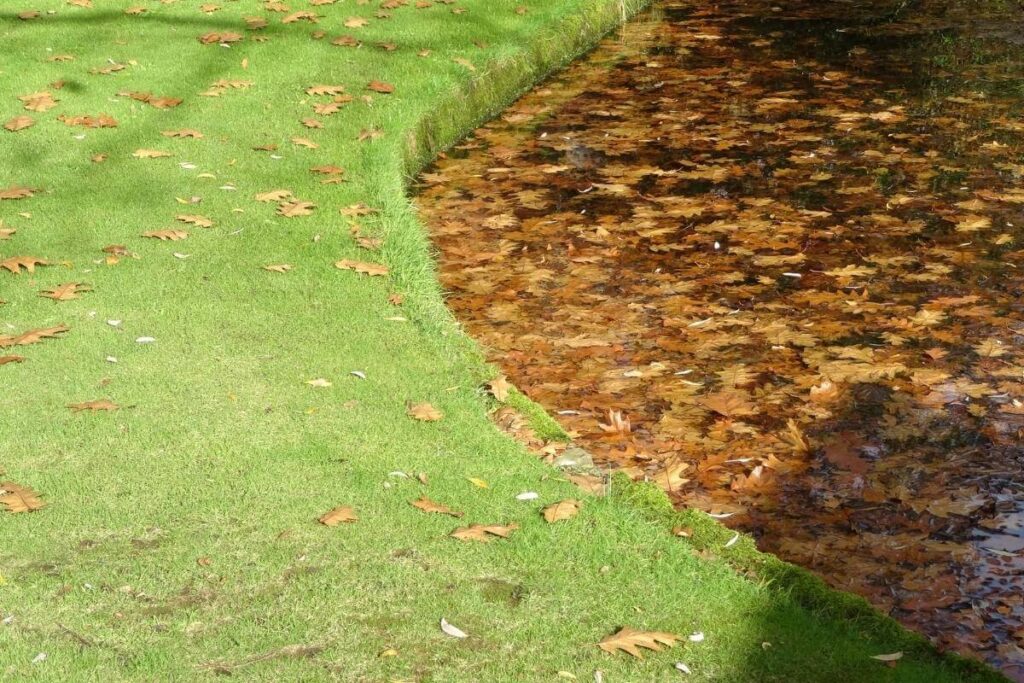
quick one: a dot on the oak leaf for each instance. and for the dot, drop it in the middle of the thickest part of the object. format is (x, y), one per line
(19, 498)
(428, 505)
(16, 263)
(33, 336)
(273, 196)
(183, 133)
(338, 515)
(166, 235)
(381, 87)
(325, 90)
(4, 360)
(15, 192)
(562, 510)
(499, 388)
(424, 412)
(362, 267)
(66, 291)
(94, 406)
(483, 533)
(277, 267)
(630, 641)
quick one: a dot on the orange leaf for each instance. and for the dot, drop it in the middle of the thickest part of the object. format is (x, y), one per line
(338, 515)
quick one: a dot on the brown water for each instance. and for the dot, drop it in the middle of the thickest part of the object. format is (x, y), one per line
(784, 241)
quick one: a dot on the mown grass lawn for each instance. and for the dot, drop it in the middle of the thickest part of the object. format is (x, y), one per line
(180, 538)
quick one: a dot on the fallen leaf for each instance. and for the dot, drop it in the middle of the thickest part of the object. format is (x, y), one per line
(362, 267)
(33, 336)
(892, 657)
(452, 631)
(166, 235)
(196, 220)
(66, 291)
(424, 412)
(296, 208)
(17, 498)
(150, 154)
(4, 360)
(630, 641)
(277, 267)
(483, 532)
(19, 123)
(428, 505)
(562, 510)
(29, 263)
(499, 388)
(338, 515)
(93, 406)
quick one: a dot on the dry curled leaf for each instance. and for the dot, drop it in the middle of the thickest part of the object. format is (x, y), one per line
(428, 505)
(630, 641)
(338, 516)
(483, 533)
(4, 360)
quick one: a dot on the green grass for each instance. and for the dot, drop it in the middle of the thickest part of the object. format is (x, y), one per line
(223, 452)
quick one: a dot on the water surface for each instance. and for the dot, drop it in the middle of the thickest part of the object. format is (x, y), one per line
(784, 241)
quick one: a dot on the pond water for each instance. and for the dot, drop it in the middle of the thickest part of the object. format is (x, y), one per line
(769, 255)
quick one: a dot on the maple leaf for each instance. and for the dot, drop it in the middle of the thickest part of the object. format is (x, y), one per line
(19, 123)
(338, 516)
(17, 498)
(424, 412)
(362, 267)
(196, 220)
(630, 640)
(729, 404)
(66, 291)
(428, 505)
(94, 406)
(483, 533)
(166, 235)
(562, 510)
(150, 154)
(295, 209)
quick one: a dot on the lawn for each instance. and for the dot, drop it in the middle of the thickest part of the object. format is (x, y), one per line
(180, 536)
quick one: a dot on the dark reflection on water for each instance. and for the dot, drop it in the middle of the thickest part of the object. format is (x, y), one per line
(783, 240)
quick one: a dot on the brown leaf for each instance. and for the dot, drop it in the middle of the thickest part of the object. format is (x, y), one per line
(589, 483)
(428, 505)
(195, 219)
(325, 90)
(563, 509)
(338, 515)
(295, 209)
(424, 412)
(729, 404)
(381, 87)
(19, 123)
(15, 192)
(150, 154)
(499, 388)
(362, 267)
(166, 235)
(66, 291)
(183, 133)
(273, 196)
(33, 336)
(94, 406)
(4, 360)
(16, 263)
(19, 498)
(483, 533)
(277, 267)
(630, 640)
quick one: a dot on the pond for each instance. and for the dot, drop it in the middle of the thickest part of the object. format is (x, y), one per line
(769, 255)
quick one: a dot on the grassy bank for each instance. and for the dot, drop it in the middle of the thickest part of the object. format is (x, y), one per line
(180, 540)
